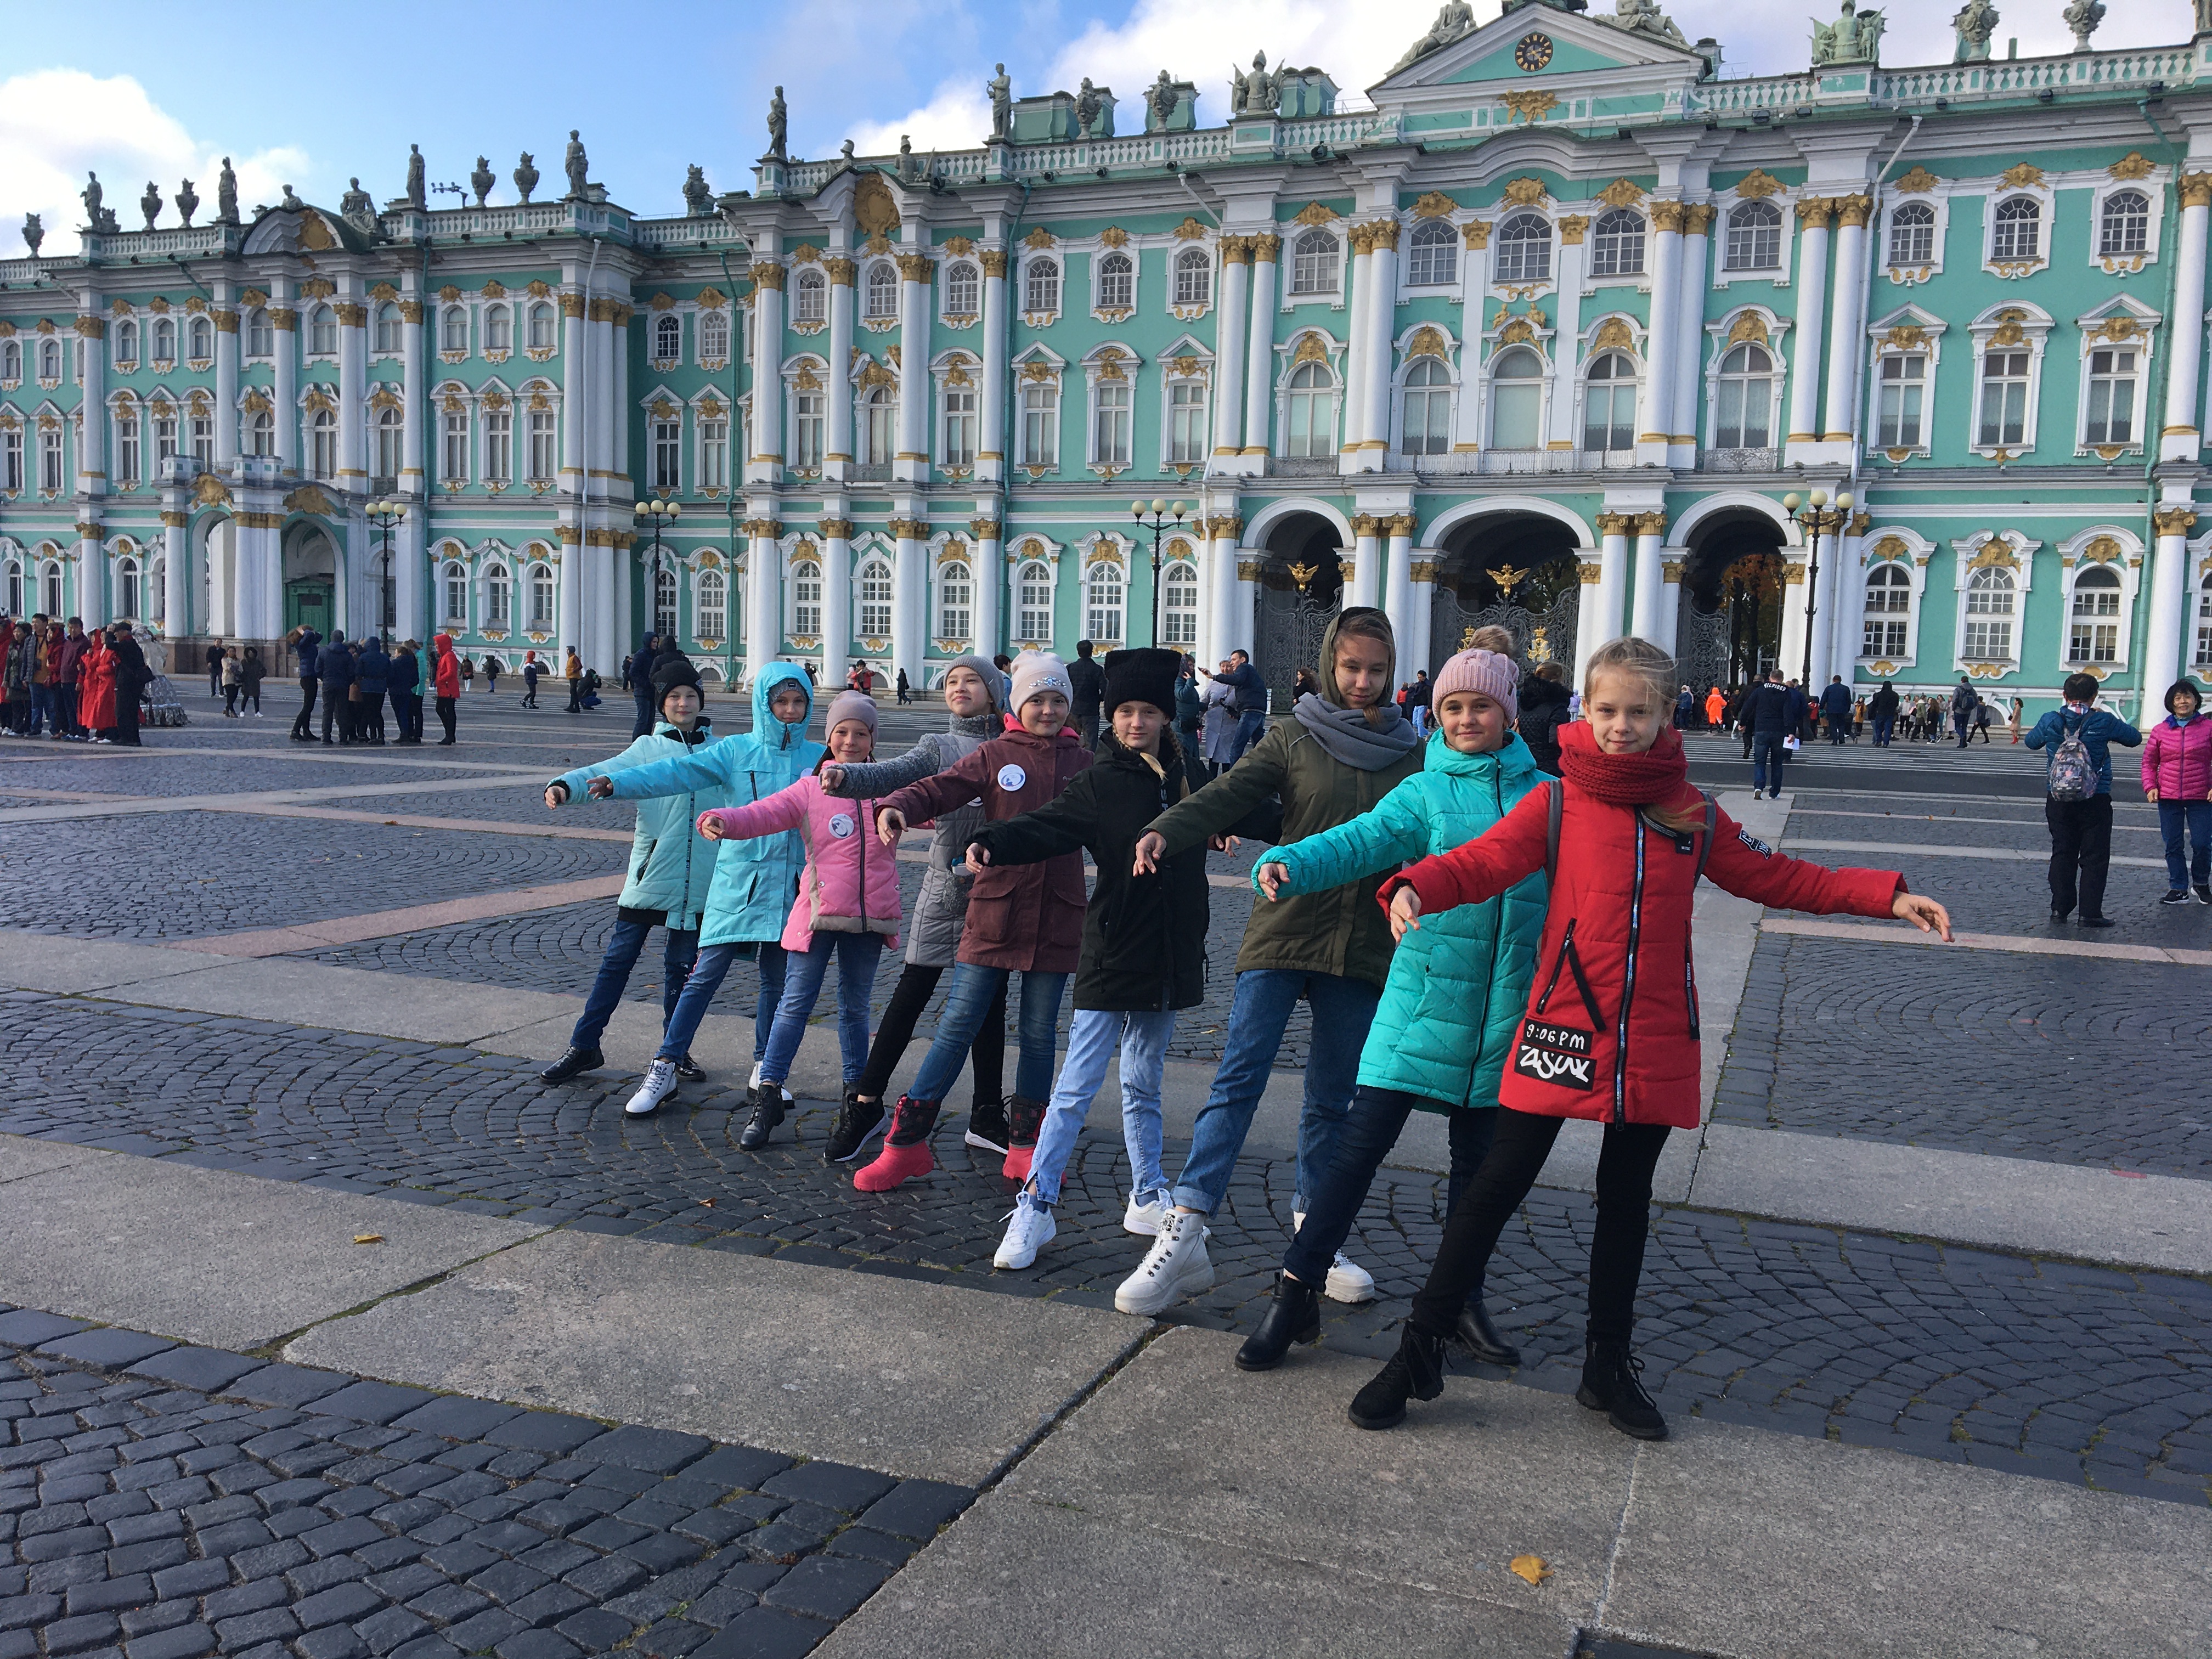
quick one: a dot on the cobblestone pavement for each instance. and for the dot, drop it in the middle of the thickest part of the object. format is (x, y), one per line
(162, 1501)
(223, 775)
(2040, 1367)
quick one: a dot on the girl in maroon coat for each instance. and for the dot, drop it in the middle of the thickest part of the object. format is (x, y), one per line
(1024, 917)
(1611, 1031)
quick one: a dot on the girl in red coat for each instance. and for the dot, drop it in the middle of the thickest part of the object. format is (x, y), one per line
(1611, 1031)
(95, 694)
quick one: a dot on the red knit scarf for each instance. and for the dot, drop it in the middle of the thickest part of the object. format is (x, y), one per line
(1658, 776)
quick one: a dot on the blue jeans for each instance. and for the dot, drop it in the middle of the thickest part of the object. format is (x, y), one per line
(1766, 751)
(706, 978)
(1883, 725)
(1342, 1011)
(967, 1003)
(624, 946)
(1092, 1036)
(42, 708)
(1378, 1118)
(1251, 726)
(2196, 814)
(858, 955)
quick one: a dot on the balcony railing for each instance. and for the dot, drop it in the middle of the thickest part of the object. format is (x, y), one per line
(868, 472)
(1739, 460)
(1302, 466)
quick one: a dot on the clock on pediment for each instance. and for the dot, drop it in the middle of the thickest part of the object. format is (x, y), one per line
(1532, 51)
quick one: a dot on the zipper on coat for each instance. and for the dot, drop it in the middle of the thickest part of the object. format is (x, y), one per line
(1689, 979)
(1628, 984)
(1497, 939)
(1569, 957)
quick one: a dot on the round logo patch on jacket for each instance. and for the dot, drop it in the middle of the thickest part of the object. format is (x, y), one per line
(1011, 777)
(840, 825)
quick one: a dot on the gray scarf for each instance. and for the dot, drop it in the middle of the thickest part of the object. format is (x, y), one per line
(1345, 736)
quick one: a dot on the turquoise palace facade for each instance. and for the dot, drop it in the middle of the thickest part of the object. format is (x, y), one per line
(1548, 332)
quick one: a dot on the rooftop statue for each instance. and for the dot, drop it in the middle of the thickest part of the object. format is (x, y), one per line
(1642, 17)
(698, 196)
(1854, 38)
(188, 203)
(150, 203)
(526, 177)
(1088, 108)
(776, 125)
(579, 168)
(416, 197)
(226, 195)
(1000, 88)
(354, 207)
(102, 218)
(483, 179)
(1259, 93)
(33, 234)
(1163, 98)
(2083, 17)
(1977, 21)
(1455, 19)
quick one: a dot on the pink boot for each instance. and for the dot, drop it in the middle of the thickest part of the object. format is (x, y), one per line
(906, 1149)
(1024, 1121)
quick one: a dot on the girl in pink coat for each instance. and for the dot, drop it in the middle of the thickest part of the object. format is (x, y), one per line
(2177, 774)
(847, 907)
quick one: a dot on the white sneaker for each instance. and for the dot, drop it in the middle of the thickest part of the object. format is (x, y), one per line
(1144, 1218)
(660, 1083)
(789, 1099)
(1347, 1280)
(1176, 1267)
(1028, 1229)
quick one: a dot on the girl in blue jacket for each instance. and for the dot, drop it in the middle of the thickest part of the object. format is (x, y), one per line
(1457, 986)
(755, 880)
(671, 870)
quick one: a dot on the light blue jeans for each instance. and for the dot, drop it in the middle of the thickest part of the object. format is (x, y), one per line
(858, 956)
(1343, 1009)
(1092, 1036)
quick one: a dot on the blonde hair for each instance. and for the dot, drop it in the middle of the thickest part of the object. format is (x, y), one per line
(1653, 669)
(1491, 638)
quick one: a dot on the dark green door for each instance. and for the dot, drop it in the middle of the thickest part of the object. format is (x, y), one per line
(307, 605)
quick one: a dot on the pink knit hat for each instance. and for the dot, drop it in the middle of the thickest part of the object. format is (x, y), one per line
(1494, 676)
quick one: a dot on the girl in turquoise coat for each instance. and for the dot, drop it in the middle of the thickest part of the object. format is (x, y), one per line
(1452, 1006)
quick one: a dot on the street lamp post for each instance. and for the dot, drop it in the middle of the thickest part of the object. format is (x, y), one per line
(1817, 521)
(1160, 510)
(387, 516)
(659, 515)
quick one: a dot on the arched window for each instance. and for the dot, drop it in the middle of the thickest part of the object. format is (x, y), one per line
(1314, 258)
(713, 617)
(714, 336)
(1743, 413)
(1109, 425)
(664, 603)
(1990, 597)
(1041, 285)
(1033, 604)
(126, 344)
(2203, 658)
(2017, 233)
(1117, 282)
(874, 620)
(1755, 237)
(499, 329)
(1901, 400)
(129, 589)
(1516, 400)
(667, 337)
(541, 327)
(810, 297)
(955, 601)
(962, 289)
(1194, 277)
(1913, 235)
(2094, 629)
(541, 599)
(455, 580)
(1524, 249)
(391, 434)
(261, 434)
(157, 593)
(1102, 591)
(1179, 604)
(807, 599)
(499, 598)
(959, 448)
(2111, 397)
(50, 587)
(878, 426)
(387, 327)
(1617, 244)
(50, 357)
(165, 340)
(1432, 254)
(882, 302)
(1310, 427)
(323, 444)
(1609, 405)
(1040, 423)
(322, 332)
(1428, 407)
(199, 337)
(453, 329)
(1888, 606)
(11, 368)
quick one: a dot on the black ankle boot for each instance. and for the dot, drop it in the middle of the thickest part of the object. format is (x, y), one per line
(1293, 1316)
(857, 1121)
(768, 1112)
(1479, 1339)
(574, 1063)
(1612, 1383)
(1416, 1371)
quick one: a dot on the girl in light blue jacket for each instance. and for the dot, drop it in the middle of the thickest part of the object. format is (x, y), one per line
(670, 871)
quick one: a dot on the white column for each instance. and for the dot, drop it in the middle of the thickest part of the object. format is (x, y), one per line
(836, 594)
(93, 597)
(837, 445)
(1231, 326)
(1475, 289)
(1566, 338)
(1398, 589)
(410, 596)
(1613, 531)
(615, 411)
(1844, 602)
(1380, 321)
(1789, 653)
(285, 323)
(575, 414)
(1414, 633)
(92, 406)
(176, 587)
(909, 598)
(1224, 627)
(353, 394)
(911, 463)
(1359, 347)
(990, 586)
(991, 454)
(1366, 568)
(413, 426)
(1661, 346)
(601, 565)
(1670, 600)
(1847, 347)
(2169, 591)
(1690, 336)
(763, 588)
(1260, 356)
(1645, 619)
(1243, 593)
(225, 383)
(1811, 278)
(602, 412)
(1592, 572)
(2179, 440)
(765, 464)
(569, 598)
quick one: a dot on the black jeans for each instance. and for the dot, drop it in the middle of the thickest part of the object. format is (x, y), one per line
(304, 724)
(575, 696)
(987, 1056)
(1522, 1143)
(2080, 852)
(1377, 1120)
(445, 716)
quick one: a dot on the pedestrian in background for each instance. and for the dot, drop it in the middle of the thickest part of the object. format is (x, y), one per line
(96, 688)
(637, 677)
(1716, 710)
(250, 672)
(905, 690)
(15, 674)
(1964, 702)
(1770, 712)
(307, 647)
(491, 675)
(1249, 702)
(2078, 796)
(1882, 707)
(573, 670)
(532, 672)
(1836, 707)
(1218, 735)
(336, 661)
(1543, 711)
(132, 674)
(1419, 697)
(1087, 681)
(232, 678)
(445, 682)
(404, 682)
(214, 659)
(370, 675)
(2176, 774)
(66, 723)
(1190, 718)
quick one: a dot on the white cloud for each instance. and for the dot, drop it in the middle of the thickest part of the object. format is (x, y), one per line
(57, 124)
(959, 117)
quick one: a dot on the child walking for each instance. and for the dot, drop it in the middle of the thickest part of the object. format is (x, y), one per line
(847, 907)
(671, 870)
(1452, 1005)
(1610, 1031)
(975, 701)
(1026, 920)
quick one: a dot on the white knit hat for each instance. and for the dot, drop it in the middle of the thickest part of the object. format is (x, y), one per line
(1036, 672)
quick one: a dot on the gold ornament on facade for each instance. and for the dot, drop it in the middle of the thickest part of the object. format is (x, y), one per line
(1759, 183)
(410, 311)
(2120, 326)
(1750, 326)
(256, 402)
(1813, 212)
(1516, 331)
(1613, 334)
(1434, 204)
(956, 246)
(1588, 572)
(916, 267)
(2022, 174)
(1365, 524)
(1860, 524)
(1670, 572)
(1621, 193)
(1794, 576)
(254, 297)
(2103, 550)
(1918, 182)
(834, 530)
(2009, 331)
(1905, 336)
(2133, 165)
(1310, 349)
(873, 208)
(448, 294)
(1524, 192)
(194, 305)
(1993, 552)
(1531, 105)
(1039, 238)
(307, 498)
(2174, 520)
(1266, 248)
(2196, 189)
(91, 328)
(1889, 547)
(210, 491)
(1667, 216)
(1038, 370)
(1573, 227)
(1363, 241)
(1189, 368)
(1383, 235)
(1698, 218)
(1427, 342)
(572, 306)
(876, 245)
(1476, 233)
(1650, 524)
(710, 299)
(1189, 231)
(766, 274)
(1615, 524)
(983, 530)
(841, 271)
(1313, 215)
(994, 263)
(351, 315)
(119, 308)
(1114, 236)
(1852, 211)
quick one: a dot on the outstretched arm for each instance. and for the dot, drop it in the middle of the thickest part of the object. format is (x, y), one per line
(785, 810)
(874, 780)
(1382, 838)
(1509, 851)
(1069, 822)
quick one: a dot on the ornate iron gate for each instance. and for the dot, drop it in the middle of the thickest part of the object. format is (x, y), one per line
(1297, 604)
(1701, 646)
(1543, 634)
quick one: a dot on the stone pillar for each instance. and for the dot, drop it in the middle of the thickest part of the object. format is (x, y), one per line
(410, 591)
(569, 580)
(1613, 531)
(225, 381)
(911, 464)
(601, 409)
(1646, 621)
(1260, 356)
(575, 414)
(92, 405)
(909, 598)
(1847, 346)
(1243, 598)
(353, 395)
(1811, 278)
(2179, 441)
(284, 322)
(1398, 585)
(615, 411)
(176, 585)
(765, 464)
(836, 601)
(1670, 600)
(1562, 431)
(1366, 586)
(1360, 347)
(990, 587)
(1823, 621)
(2169, 602)
(1417, 644)
(1844, 600)
(1592, 572)
(1380, 318)
(763, 589)
(1690, 347)
(93, 599)
(1661, 347)
(413, 411)
(1789, 653)
(1225, 627)
(837, 431)
(991, 452)
(1231, 325)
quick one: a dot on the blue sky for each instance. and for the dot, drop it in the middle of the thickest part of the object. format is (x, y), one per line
(314, 97)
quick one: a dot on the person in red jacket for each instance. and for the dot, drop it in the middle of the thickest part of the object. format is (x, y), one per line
(1611, 1031)
(445, 681)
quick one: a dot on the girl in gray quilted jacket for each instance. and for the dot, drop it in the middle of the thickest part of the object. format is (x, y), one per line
(975, 697)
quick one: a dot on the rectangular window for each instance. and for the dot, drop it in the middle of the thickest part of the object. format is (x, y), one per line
(959, 428)
(806, 600)
(541, 458)
(11, 470)
(1989, 642)
(956, 595)
(499, 447)
(1904, 385)
(126, 451)
(1885, 638)
(713, 611)
(809, 417)
(715, 455)
(1041, 424)
(164, 440)
(667, 455)
(456, 447)
(1033, 611)
(49, 461)
(1186, 422)
(203, 440)
(2111, 398)
(2093, 643)
(1110, 430)
(2004, 398)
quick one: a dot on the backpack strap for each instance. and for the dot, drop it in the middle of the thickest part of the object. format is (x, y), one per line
(1705, 846)
(1555, 808)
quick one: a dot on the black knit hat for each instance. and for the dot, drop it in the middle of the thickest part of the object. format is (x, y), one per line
(1144, 675)
(668, 674)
